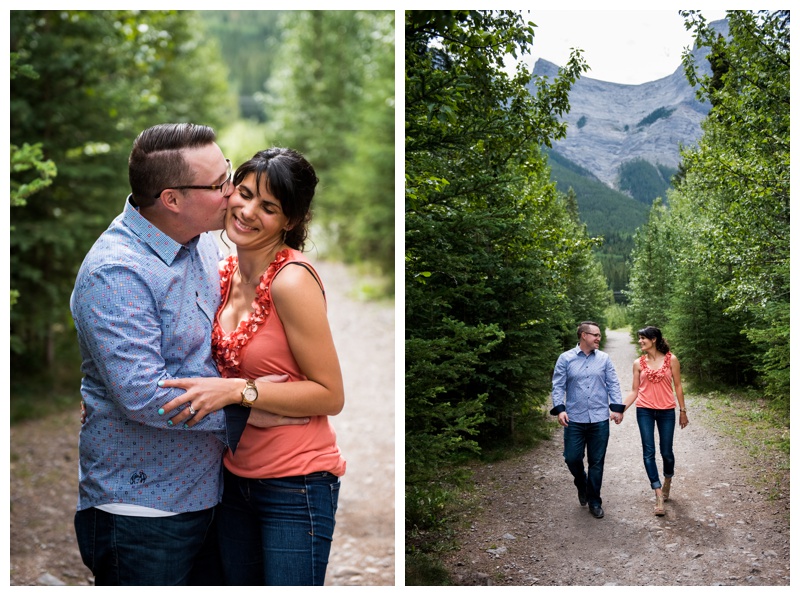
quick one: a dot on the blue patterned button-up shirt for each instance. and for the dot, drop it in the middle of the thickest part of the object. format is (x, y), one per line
(143, 306)
(586, 386)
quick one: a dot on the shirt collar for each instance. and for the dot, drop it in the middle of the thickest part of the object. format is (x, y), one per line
(165, 247)
(579, 351)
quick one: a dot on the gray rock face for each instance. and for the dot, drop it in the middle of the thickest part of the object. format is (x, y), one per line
(610, 123)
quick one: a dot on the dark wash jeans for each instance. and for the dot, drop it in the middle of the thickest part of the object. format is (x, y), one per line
(648, 419)
(590, 438)
(124, 550)
(277, 531)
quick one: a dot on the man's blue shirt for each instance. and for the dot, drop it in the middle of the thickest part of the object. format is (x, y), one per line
(586, 386)
(143, 307)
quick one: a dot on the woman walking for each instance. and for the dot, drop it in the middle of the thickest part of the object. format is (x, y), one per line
(656, 384)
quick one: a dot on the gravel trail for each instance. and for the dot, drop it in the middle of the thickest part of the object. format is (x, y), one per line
(719, 530)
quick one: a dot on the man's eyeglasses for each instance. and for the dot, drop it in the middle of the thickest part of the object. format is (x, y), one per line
(223, 188)
(594, 334)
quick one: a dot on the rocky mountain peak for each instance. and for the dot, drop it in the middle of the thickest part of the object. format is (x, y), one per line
(611, 123)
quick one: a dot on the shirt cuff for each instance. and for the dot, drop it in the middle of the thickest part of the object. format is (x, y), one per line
(617, 407)
(558, 409)
(235, 420)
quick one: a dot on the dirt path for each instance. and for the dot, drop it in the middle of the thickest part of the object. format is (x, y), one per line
(719, 530)
(44, 456)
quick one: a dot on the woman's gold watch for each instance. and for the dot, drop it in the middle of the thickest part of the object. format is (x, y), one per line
(249, 393)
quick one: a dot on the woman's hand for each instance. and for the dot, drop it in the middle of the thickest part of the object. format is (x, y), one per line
(263, 419)
(684, 420)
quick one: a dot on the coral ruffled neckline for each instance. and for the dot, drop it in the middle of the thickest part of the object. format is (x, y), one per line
(226, 348)
(655, 376)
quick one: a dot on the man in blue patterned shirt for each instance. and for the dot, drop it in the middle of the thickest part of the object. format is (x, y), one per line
(143, 304)
(585, 386)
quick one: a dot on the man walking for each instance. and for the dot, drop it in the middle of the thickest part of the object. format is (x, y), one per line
(585, 386)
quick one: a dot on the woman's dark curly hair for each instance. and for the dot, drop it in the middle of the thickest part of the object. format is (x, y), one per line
(291, 180)
(654, 334)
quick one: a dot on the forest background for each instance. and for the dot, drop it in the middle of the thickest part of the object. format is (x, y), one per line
(501, 267)
(85, 83)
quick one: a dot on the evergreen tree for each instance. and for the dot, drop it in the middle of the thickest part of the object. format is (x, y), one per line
(738, 178)
(332, 98)
(103, 77)
(490, 245)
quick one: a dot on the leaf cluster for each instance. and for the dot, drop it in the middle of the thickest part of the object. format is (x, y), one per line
(498, 268)
(714, 268)
(333, 98)
(83, 85)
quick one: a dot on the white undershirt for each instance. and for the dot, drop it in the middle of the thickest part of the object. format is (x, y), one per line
(133, 510)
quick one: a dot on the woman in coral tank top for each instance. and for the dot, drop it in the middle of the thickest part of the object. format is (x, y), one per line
(282, 484)
(654, 374)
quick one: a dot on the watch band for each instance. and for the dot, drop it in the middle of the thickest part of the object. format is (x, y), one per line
(250, 385)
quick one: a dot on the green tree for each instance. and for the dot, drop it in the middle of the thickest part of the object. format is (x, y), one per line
(714, 270)
(738, 177)
(333, 99)
(490, 244)
(26, 159)
(248, 40)
(652, 271)
(701, 328)
(104, 76)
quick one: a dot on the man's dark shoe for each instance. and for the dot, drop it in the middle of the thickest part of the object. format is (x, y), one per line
(582, 498)
(597, 511)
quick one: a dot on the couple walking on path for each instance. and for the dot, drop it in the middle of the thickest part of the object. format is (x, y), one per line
(586, 387)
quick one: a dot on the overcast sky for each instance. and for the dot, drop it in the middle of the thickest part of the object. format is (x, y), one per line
(620, 46)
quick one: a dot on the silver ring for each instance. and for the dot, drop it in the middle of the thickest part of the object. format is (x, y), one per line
(191, 409)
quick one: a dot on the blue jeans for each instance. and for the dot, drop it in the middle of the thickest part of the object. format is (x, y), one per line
(124, 550)
(648, 419)
(277, 531)
(591, 438)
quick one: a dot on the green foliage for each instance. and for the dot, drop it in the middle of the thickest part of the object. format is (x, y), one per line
(423, 569)
(617, 316)
(604, 210)
(652, 271)
(654, 116)
(714, 270)
(24, 159)
(103, 76)
(248, 41)
(333, 99)
(644, 181)
(498, 268)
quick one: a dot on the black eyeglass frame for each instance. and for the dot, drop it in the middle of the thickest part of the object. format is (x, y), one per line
(219, 187)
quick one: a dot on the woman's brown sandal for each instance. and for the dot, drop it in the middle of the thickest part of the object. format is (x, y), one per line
(659, 509)
(666, 487)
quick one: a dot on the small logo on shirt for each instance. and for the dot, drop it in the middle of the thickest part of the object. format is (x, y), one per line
(139, 477)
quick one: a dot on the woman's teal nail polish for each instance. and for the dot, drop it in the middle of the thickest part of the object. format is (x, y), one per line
(160, 411)
(161, 383)
(169, 422)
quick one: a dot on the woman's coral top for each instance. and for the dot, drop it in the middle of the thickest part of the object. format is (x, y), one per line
(259, 347)
(655, 386)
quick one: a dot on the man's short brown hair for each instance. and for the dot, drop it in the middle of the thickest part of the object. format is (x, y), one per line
(157, 162)
(584, 327)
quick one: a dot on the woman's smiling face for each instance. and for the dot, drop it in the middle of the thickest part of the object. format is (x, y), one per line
(255, 218)
(644, 343)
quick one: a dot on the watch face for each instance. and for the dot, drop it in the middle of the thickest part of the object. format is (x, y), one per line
(250, 394)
